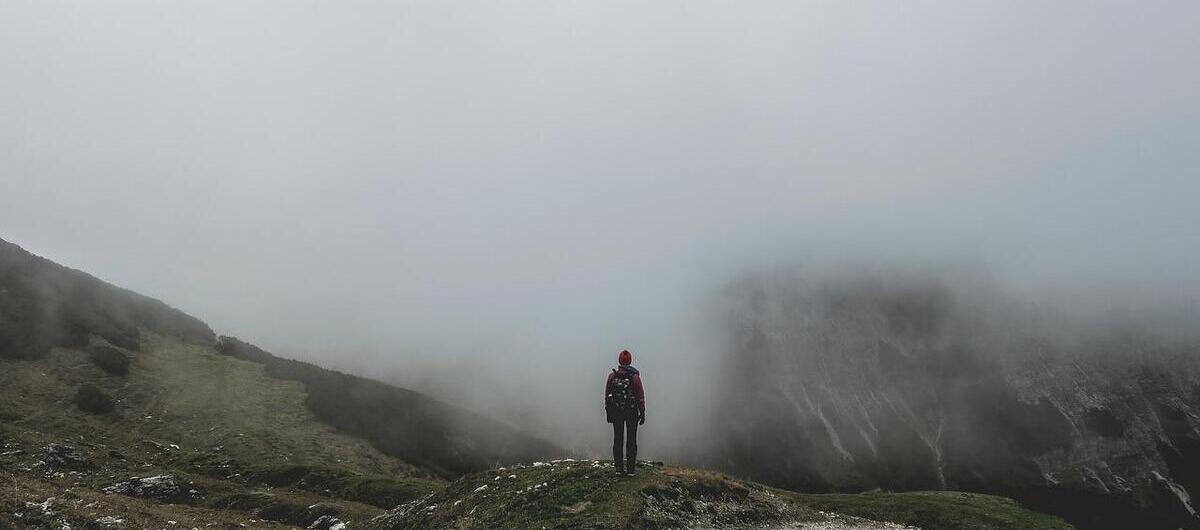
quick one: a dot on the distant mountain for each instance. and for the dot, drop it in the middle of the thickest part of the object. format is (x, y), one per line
(896, 383)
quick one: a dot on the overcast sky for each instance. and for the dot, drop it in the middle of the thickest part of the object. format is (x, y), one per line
(537, 184)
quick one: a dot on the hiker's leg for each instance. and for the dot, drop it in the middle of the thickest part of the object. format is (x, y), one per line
(618, 443)
(631, 445)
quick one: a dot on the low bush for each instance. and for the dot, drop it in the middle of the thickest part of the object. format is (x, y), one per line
(109, 359)
(89, 398)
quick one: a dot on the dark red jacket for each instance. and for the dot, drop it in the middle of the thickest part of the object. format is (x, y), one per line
(635, 383)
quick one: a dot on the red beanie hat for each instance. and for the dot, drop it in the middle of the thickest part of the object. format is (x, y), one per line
(625, 358)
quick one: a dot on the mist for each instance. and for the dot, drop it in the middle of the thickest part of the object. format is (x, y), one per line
(486, 201)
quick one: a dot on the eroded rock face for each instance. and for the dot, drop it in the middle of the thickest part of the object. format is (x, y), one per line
(860, 385)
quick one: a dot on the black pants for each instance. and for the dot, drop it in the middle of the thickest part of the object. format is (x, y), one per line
(620, 426)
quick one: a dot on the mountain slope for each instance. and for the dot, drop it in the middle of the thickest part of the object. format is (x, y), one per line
(43, 304)
(136, 387)
(400, 422)
(229, 435)
(903, 383)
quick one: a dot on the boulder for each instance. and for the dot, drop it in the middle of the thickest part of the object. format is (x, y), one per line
(327, 522)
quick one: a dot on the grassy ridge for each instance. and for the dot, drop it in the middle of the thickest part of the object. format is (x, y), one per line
(589, 495)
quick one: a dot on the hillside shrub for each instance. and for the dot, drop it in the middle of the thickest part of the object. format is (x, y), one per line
(109, 359)
(89, 398)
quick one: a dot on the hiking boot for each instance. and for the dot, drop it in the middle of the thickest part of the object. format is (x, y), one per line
(620, 470)
(630, 474)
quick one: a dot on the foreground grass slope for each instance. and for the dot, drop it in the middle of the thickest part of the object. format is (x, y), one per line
(586, 494)
(241, 440)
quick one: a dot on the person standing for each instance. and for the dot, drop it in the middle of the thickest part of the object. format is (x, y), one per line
(625, 407)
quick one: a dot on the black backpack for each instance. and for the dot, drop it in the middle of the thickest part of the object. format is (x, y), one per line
(619, 397)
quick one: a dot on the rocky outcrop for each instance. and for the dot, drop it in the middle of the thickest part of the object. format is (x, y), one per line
(913, 385)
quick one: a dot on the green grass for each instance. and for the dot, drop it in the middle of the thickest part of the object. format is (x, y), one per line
(586, 495)
(220, 424)
(575, 496)
(938, 510)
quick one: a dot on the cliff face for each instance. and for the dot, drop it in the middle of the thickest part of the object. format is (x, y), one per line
(858, 384)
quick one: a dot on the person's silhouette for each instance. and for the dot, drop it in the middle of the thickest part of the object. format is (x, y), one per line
(625, 406)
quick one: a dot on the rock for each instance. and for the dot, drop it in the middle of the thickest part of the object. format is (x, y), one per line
(63, 456)
(109, 521)
(159, 487)
(45, 507)
(327, 522)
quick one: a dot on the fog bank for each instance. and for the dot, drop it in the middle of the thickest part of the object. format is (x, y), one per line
(488, 200)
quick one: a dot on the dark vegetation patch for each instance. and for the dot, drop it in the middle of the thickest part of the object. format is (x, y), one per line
(109, 359)
(380, 491)
(43, 304)
(938, 510)
(406, 424)
(89, 398)
(274, 507)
